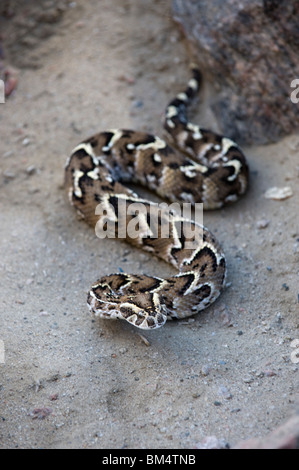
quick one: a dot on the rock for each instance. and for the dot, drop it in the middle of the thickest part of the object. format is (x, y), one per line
(263, 223)
(205, 370)
(224, 392)
(248, 50)
(284, 437)
(10, 80)
(10, 175)
(41, 413)
(31, 169)
(279, 194)
(212, 442)
(24, 25)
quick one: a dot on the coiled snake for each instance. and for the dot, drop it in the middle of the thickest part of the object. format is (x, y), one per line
(207, 168)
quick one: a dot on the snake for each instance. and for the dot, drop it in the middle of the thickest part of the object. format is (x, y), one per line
(193, 166)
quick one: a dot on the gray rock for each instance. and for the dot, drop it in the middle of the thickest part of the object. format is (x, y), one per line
(285, 436)
(248, 52)
(212, 442)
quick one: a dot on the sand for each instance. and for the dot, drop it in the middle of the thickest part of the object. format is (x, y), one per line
(69, 381)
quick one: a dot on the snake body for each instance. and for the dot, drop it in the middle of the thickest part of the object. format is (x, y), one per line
(207, 168)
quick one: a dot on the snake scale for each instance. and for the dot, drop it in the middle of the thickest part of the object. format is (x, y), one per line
(201, 167)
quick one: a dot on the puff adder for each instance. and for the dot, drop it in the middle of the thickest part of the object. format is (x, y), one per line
(200, 167)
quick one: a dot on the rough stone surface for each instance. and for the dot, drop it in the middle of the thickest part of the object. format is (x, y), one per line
(229, 372)
(248, 49)
(212, 442)
(25, 26)
(285, 436)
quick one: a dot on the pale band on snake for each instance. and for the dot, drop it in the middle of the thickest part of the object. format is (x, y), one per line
(201, 167)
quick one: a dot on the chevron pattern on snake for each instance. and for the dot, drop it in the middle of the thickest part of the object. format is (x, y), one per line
(199, 166)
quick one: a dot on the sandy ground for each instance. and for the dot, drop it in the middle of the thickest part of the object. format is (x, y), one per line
(69, 381)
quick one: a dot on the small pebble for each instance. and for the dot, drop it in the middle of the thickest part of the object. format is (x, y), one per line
(212, 442)
(26, 141)
(80, 24)
(41, 413)
(8, 154)
(127, 78)
(285, 286)
(278, 194)
(260, 374)
(10, 80)
(248, 380)
(205, 370)
(9, 174)
(30, 170)
(263, 223)
(235, 410)
(43, 313)
(137, 104)
(145, 340)
(270, 373)
(224, 392)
